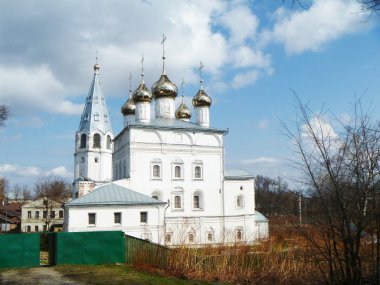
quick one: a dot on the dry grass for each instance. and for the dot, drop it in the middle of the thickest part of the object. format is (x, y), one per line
(283, 259)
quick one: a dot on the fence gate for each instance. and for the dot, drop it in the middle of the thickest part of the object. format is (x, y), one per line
(19, 250)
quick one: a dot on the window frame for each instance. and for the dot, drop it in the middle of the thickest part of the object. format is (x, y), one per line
(144, 217)
(91, 217)
(60, 214)
(195, 165)
(175, 166)
(117, 216)
(200, 196)
(153, 164)
(240, 202)
(239, 234)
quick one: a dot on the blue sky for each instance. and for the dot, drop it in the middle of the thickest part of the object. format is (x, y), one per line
(256, 54)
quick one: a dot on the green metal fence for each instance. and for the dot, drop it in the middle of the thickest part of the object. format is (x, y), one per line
(19, 250)
(86, 247)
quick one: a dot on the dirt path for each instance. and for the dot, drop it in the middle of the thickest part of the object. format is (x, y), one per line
(40, 276)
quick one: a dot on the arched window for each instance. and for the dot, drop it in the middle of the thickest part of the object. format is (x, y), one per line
(109, 142)
(168, 238)
(157, 195)
(177, 171)
(198, 200)
(83, 141)
(191, 237)
(178, 202)
(240, 201)
(197, 172)
(96, 141)
(210, 237)
(239, 234)
(156, 171)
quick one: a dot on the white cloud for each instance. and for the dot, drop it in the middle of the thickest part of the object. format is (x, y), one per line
(311, 29)
(17, 170)
(34, 88)
(243, 79)
(241, 23)
(322, 132)
(260, 160)
(60, 171)
(46, 68)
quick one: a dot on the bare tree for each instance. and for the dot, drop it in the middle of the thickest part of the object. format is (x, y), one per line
(367, 6)
(341, 171)
(54, 191)
(4, 113)
(3, 190)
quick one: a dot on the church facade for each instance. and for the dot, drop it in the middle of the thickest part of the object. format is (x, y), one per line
(162, 178)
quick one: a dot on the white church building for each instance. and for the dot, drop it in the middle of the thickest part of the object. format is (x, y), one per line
(162, 178)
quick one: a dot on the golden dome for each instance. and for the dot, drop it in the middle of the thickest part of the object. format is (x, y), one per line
(96, 67)
(142, 94)
(129, 107)
(164, 88)
(183, 112)
(202, 99)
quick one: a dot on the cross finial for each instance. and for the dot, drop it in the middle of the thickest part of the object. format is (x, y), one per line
(142, 68)
(163, 53)
(96, 57)
(200, 73)
(182, 85)
(130, 85)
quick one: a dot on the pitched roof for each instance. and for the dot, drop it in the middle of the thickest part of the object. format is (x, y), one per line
(237, 174)
(260, 217)
(170, 124)
(95, 114)
(113, 194)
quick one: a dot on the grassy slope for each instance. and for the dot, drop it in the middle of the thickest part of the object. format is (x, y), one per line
(117, 275)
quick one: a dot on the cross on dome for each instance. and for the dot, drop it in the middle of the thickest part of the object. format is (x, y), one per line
(163, 53)
(200, 73)
(142, 68)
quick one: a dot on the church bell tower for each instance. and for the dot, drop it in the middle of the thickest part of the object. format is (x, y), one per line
(93, 141)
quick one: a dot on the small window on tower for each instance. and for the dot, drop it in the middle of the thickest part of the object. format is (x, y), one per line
(96, 159)
(96, 100)
(96, 117)
(82, 159)
(105, 118)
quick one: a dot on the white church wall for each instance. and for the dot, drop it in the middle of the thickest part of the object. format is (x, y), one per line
(239, 197)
